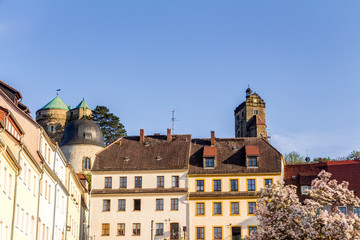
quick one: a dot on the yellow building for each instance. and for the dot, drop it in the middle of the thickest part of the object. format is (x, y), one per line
(225, 177)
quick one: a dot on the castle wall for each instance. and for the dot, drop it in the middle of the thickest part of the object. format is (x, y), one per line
(75, 154)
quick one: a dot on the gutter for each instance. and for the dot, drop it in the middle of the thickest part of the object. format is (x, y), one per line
(67, 206)
(53, 227)
(40, 182)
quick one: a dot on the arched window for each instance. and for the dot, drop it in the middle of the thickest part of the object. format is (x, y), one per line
(86, 164)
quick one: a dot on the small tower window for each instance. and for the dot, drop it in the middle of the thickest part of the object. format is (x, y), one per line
(256, 112)
(52, 128)
(86, 163)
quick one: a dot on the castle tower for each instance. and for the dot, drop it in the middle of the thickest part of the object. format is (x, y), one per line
(250, 117)
(81, 140)
(81, 110)
(52, 117)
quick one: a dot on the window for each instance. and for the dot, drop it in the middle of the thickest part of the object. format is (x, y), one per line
(252, 228)
(121, 229)
(342, 210)
(252, 161)
(174, 204)
(234, 208)
(136, 229)
(199, 185)
(304, 189)
(217, 208)
(52, 128)
(159, 204)
(106, 205)
(123, 182)
(137, 204)
(138, 182)
(160, 181)
(108, 182)
(200, 208)
(251, 207)
(86, 163)
(251, 184)
(217, 185)
(256, 112)
(121, 205)
(175, 181)
(357, 211)
(159, 229)
(217, 232)
(268, 182)
(105, 229)
(234, 185)
(209, 162)
(200, 233)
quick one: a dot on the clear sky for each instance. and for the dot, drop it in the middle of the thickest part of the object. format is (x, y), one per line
(142, 59)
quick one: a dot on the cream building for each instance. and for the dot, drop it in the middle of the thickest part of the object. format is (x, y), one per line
(139, 188)
(225, 177)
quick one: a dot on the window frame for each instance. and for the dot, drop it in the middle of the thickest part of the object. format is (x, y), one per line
(203, 185)
(136, 229)
(108, 182)
(123, 182)
(251, 226)
(177, 181)
(106, 205)
(247, 184)
(272, 182)
(105, 229)
(160, 181)
(203, 233)
(196, 209)
(134, 201)
(217, 208)
(253, 207)
(237, 185)
(231, 208)
(159, 206)
(214, 233)
(174, 204)
(216, 185)
(138, 182)
(119, 229)
(159, 229)
(121, 205)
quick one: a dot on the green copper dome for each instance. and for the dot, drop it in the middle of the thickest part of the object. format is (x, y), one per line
(82, 105)
(56, 103)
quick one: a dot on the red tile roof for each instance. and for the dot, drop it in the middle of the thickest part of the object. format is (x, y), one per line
(209, 151)
(252, 150)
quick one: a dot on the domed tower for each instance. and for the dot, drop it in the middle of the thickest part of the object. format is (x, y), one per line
(81, 139)
(52, 117)
(250, 117)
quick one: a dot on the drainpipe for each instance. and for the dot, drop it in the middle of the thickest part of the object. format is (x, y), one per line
(15, 191)
(38, 205)
(53, 228)
(67, 206)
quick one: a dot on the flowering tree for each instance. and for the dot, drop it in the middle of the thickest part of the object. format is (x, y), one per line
(283, 216)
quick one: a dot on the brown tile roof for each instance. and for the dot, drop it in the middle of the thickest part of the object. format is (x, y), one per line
(231, 157)
(154, 153)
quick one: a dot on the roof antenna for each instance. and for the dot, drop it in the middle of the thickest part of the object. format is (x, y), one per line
(173, 122)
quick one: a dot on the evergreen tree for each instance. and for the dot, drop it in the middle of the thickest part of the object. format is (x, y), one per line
(109, 124)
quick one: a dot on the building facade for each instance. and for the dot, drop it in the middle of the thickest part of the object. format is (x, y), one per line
(139, 188)
(225, 177)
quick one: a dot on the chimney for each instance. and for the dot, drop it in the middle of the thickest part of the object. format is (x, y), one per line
(168, 134)
(142, 135)
(212, 138)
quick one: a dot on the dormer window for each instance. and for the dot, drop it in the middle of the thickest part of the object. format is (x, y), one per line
(253, 161)
(209, 156)
(252, 156)
(209, 162)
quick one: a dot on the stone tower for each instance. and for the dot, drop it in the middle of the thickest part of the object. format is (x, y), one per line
(250, 117)
(56, 115)
(52, 117)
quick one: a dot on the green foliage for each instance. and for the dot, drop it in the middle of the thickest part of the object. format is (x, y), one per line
(353, 155)
(293, 157)
(88, 177)
(109, 124)
(323, 159)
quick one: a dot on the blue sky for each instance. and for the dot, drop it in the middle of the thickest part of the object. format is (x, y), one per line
(143, 59)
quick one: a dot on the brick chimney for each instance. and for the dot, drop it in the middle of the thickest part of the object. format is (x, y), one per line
(212, 138)
(168, 134)
(142, 135)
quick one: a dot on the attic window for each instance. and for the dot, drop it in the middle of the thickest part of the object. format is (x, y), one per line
(158, 158)
(126, 159)
(147, 144)
(209, 162)
(252, 156)
(87, 135)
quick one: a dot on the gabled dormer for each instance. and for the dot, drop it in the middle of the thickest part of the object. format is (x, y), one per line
(209, 153)
(10, 124)
(252, 156)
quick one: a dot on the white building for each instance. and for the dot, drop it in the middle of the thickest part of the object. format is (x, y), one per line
(139, 188)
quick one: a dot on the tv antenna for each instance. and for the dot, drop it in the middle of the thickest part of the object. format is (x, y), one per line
(173, 121)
